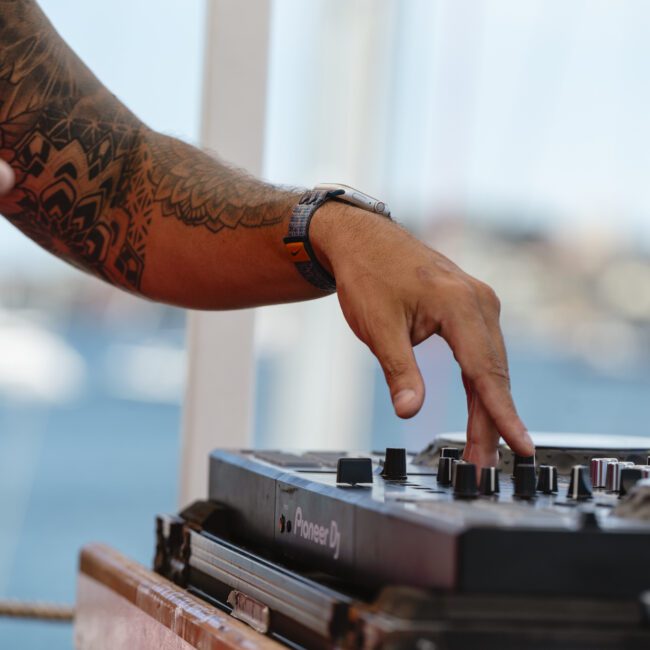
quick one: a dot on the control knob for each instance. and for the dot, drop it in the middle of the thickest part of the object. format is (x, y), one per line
(394, 464)
(579, 485)
(354, 470)
(489, 483)
(444, 470)
(450, 452)
(547, 480)
(613, 475)
(525, 481)
(521, 460)
(599, 471)
(465, 481)
(629, 478)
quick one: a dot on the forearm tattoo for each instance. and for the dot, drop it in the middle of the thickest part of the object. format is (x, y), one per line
(91, 179)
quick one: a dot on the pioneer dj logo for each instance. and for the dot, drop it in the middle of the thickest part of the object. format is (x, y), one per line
(317, 534)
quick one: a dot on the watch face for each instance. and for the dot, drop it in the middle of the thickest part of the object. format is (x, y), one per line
(357, 198)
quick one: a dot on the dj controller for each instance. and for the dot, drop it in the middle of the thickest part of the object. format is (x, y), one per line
(398, 550)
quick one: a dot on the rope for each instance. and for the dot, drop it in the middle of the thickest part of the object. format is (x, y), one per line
(45, 611)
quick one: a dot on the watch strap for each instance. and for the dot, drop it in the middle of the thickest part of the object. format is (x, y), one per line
(297, 241)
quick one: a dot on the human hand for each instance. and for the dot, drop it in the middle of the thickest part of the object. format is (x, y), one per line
(6, 177)
(395, 292)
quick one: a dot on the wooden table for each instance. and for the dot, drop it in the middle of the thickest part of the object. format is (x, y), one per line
(121, 604)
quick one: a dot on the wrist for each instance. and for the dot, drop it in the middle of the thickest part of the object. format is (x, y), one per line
(332, 231)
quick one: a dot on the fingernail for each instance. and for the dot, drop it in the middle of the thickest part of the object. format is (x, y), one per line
(6, 177)
(403, 398)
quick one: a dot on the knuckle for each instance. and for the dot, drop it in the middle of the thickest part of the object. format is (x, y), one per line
(453, 287)
(463, 291)
(488, 297)
(395, 368)
(492, 300)
(491, 367)
(463, 305)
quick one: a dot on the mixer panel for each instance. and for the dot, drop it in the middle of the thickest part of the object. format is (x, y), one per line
(366, 516)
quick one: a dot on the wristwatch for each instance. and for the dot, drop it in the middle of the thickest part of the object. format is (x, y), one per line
(297, 241)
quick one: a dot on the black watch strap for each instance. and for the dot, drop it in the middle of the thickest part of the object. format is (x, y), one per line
(297, 241)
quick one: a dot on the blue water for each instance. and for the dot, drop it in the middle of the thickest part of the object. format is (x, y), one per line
(102, 467)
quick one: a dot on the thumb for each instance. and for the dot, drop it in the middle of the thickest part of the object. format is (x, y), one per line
(393, 349)
(6, 177)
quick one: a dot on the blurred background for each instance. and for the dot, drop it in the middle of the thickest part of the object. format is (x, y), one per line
(512, 136)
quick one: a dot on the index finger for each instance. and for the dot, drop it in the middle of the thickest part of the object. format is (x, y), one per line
(482, 436)
(486, 370)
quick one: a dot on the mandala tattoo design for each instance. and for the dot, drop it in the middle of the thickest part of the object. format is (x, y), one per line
(90, 177)
(190, 190)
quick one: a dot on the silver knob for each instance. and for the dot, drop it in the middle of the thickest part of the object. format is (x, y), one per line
(613, 475)
(599, 471)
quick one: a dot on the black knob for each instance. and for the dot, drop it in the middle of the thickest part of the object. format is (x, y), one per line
(629, 477)
(394, 464)
(450, 452)
(444, 470)
(521, 460)
(454, 464)
(580, 484)
(525, 481)
(465, 482)
(547, 479)
(489, 481)
(354, 470)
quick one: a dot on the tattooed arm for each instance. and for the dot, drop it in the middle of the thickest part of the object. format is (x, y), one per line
(96, 187)
(144, 211)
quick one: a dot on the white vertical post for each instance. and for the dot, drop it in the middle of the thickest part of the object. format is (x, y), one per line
(339, 54)
(218, 408)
